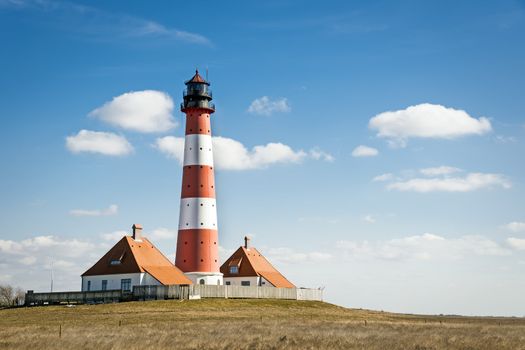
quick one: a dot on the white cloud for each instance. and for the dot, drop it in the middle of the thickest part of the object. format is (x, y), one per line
(30, 261)
(162, 233)
(383, 177)
(157, 234)
(516, 243)
(230, 154)
(318, 154)
(40, 244)
(515, 226)
(470, 182)
(114, 236)
(505, 139)
(142, 111)
(427, 121)
(442, 170)
(98, 142)
(364, 151)
(427, 246)
(265, 106)
(172, 146)
(111, 210)
(369, 218)
(290, 256)
(104, 25)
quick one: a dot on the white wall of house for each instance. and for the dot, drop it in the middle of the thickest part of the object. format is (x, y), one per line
(254, 281)
(114, 281)
(213, 278)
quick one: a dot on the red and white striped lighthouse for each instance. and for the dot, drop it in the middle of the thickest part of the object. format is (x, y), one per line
(197, 241)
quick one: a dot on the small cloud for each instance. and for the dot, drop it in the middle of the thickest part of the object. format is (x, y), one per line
(426, 121)
(364, 151)
(515, 226)
(111, 210)
(505, 139)
(383, 177)
(114, 236)
(516, 243)
(317, 154)
(265, 106)
(369, 218)
(105, 143)
(162, 233)
(470, 182)
(143, 111)
(442, 170)
(427, 246)
(27, 260)
(290, 256)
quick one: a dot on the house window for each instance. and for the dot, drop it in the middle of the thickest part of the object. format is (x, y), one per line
(114, 262)
(125, 284)
(201, 282)
(245, 283)
(234, 269)
(104, 284)
(228, 283)
(89, 286)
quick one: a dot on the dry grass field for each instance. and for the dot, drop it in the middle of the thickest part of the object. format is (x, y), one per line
(247, 324)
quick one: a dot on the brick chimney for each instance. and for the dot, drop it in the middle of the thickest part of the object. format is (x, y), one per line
(137, 232)
(246, 242)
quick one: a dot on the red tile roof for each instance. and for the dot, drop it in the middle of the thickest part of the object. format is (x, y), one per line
(130, 256)
(197, 78)
(252, 263)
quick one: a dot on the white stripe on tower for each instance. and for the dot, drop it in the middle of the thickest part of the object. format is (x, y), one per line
(198, 150)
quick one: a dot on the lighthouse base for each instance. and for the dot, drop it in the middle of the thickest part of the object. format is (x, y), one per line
(212, 278)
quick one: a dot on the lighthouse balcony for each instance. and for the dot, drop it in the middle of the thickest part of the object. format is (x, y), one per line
(198, 93)
(205, 104)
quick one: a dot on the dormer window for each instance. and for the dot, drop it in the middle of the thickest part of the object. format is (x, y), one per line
(115, 262)
(234, 269)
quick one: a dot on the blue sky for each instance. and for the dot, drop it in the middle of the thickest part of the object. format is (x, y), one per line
(427, 217)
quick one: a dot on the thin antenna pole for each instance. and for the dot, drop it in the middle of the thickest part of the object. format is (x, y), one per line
(206, 73)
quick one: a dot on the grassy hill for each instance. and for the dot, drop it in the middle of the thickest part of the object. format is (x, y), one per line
(251, 324)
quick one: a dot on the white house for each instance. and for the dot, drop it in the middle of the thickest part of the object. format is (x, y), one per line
(133, 261)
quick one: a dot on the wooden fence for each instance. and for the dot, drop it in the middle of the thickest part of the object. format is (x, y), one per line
(174, 292)
(106, 296)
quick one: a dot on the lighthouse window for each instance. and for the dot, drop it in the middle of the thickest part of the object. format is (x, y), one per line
(234, 269)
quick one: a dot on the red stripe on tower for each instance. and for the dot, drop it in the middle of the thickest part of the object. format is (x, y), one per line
(197, 241)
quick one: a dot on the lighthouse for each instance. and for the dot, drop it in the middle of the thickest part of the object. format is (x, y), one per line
(197, 241)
